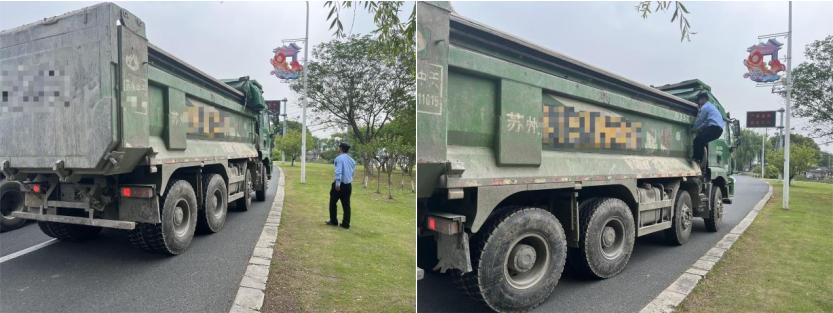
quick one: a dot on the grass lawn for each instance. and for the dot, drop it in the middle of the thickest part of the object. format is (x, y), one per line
(320, 268)
(782, 263)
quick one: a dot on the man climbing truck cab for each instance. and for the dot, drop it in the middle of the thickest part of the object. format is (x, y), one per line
(563, 164)
(708, 126)
(101, 129)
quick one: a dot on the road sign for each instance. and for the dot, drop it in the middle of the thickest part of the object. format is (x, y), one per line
(760, 119)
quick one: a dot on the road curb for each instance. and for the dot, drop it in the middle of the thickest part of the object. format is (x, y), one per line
(252, 290)
(674, 294)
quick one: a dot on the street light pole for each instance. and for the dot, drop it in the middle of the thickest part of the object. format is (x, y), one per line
(789, 84)
(304, 109)
(763, 157)
(283, 129)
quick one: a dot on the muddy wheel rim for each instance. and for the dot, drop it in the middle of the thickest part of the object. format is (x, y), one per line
(685, 216)
(181, 218)
(612, 241)
(527, 261)
(216, 204)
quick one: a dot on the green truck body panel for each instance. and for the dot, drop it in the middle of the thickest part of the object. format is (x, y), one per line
(500, 115)
(87, 89)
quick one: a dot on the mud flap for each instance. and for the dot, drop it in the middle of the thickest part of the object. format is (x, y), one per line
(453, 252)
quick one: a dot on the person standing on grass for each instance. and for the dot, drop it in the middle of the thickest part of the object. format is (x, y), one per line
(342, 186)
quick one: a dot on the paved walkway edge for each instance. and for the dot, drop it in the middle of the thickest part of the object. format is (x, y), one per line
(671, 297)
(252, 290)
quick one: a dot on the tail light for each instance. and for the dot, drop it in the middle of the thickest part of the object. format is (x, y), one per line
(432, 223)
(136, 192)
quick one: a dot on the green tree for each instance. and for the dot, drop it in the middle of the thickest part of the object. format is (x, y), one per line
(680, 11)
(289, 144)
(803, 157)
(812, 92)
(749, 149)
(351, 83)
(397, 37)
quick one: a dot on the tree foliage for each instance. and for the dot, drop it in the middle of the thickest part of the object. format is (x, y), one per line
(812, 89)
(352, 84)
(749, 149)
(680, 11)
(396, 37)
(289, 144)
(802, 158)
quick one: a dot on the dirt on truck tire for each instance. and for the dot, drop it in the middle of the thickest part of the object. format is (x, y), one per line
(517, 260)
(680, 229)
(212, 215)
(608, 235)
(179, 219)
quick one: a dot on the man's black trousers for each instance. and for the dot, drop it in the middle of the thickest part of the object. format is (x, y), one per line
(704, 136)
(344, 196)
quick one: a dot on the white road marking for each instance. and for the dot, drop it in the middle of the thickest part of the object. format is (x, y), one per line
(27, 250)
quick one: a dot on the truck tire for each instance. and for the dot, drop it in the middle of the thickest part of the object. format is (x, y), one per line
(10, 200)
(680, 229)
(213, 214)
(716, 213)
(516, 260)
(607, 237)
(245, 203)
(9, 223)
(260, 195)
(179, 220)
(69, 232)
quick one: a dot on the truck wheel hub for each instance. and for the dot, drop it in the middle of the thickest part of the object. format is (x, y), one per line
(523, 257)
(608, 237)
(527, 262)
(686, 216)
(612, 241)
(179, 215)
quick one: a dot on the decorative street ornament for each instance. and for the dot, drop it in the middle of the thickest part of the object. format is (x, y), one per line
(758, 69)
(284, 68)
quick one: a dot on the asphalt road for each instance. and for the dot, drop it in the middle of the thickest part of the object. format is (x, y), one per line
(653, 266)
(106, 274)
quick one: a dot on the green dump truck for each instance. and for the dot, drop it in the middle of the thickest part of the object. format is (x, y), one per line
(102, 129)
(530, 160)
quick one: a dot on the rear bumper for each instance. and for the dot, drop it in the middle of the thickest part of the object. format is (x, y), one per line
(76, 220)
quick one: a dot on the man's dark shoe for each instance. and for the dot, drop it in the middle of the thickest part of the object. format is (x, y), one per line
(331, 223)
(344, 226)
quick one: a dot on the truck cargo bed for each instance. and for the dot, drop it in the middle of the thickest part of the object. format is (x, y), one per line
(86, 90)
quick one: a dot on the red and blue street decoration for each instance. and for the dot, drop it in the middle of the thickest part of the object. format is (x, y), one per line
(757, 66)
(285, 62)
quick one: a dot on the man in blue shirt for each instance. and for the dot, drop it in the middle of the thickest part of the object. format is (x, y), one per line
(342, 186)
(708, 125)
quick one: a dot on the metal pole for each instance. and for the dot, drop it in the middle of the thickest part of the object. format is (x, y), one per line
(781, 130)
(304, 109)
(787, 113)
(283, 129)
(763, 157)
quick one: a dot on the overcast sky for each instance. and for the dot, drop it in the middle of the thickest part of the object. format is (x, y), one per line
(613, 36)
(223, 39)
